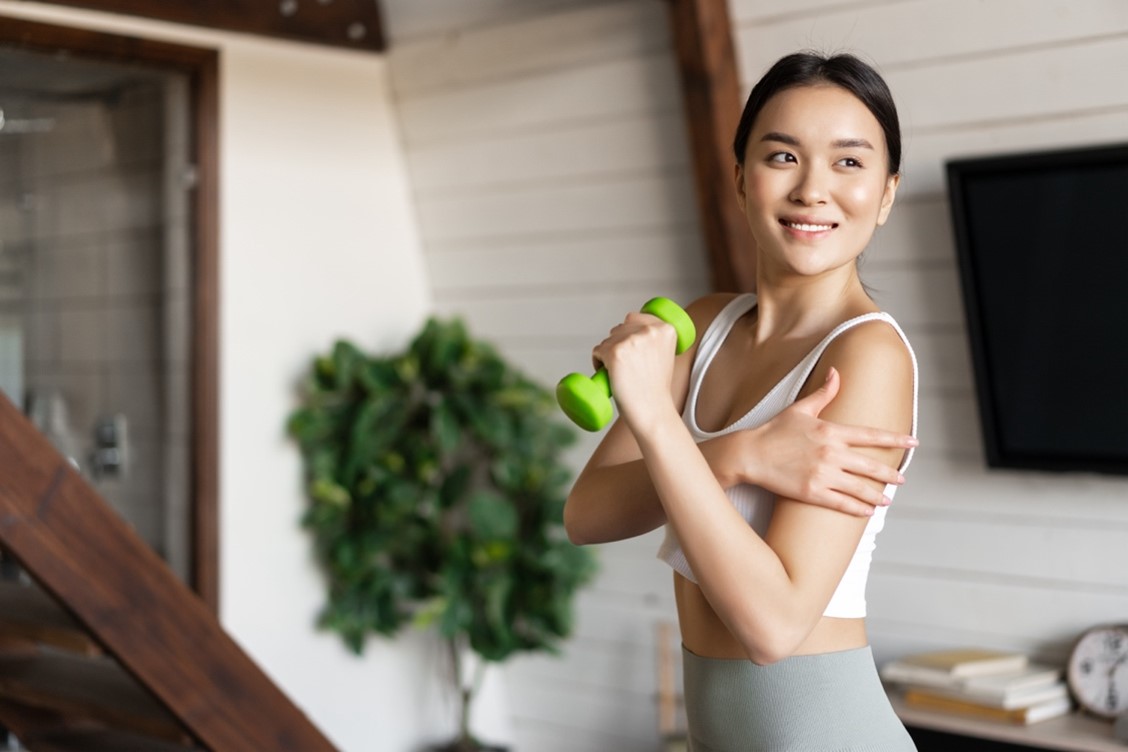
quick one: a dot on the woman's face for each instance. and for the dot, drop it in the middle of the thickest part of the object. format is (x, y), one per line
(815, 182)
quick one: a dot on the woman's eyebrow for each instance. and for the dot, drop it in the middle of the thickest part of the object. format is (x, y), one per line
(842, 143)
(852, 143)
(783, 138)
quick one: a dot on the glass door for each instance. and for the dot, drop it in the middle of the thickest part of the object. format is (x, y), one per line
(95, 278)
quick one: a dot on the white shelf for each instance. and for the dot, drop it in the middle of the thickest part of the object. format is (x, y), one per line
(1072, 733)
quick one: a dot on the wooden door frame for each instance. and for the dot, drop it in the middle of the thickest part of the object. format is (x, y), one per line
(201, 66)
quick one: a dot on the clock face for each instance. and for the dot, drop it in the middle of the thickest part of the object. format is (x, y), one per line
(1098, 671)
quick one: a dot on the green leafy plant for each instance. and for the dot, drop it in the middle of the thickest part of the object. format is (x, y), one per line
(436, 495)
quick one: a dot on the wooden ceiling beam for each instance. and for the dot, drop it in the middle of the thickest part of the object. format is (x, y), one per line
(353, 24)
(702, 35)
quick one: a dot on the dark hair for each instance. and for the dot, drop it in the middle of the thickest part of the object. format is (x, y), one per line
(809, 69)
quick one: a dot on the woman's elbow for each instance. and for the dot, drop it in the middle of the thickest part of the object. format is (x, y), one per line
(573, 525)
(771, 643)
(764, 655)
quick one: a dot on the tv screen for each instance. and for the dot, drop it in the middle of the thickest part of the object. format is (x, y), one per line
(1042, 243)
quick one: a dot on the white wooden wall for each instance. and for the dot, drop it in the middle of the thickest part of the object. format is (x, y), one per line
(1006, 559)
(550, 166)
(548, 159)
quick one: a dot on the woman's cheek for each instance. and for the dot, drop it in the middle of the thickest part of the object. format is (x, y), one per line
(759, 190)
(864, 197)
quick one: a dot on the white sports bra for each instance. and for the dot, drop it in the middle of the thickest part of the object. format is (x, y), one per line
(754, 503)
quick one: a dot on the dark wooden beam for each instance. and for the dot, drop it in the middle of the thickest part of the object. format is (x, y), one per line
(355, 24)
(84, 554)
(710, 84)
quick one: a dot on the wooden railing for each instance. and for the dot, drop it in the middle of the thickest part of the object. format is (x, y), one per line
(108, 649)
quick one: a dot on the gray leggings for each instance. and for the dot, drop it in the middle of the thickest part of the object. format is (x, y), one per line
(831, 702)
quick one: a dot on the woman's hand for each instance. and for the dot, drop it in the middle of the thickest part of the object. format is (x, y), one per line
(801, 457)
(639, 357)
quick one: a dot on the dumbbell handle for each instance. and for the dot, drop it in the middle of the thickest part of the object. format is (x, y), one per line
(587, 399)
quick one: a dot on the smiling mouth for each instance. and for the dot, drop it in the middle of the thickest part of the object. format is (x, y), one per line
(805, 227)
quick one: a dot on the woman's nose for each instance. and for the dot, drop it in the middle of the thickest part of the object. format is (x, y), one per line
(811, 189)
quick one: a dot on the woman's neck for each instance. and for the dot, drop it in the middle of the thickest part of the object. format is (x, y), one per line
(808, 306)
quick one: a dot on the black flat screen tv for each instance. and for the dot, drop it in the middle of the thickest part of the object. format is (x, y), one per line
(1042, 244)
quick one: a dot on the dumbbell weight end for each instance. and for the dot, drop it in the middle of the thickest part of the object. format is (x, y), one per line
(586, 400)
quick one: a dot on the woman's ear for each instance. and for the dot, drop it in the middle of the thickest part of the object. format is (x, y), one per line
(888, 197)
(741, 196)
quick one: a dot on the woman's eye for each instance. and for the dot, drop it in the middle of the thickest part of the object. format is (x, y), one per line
(781, 157)
(849, 162)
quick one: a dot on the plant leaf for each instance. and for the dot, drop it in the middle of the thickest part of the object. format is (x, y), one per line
(492, 517)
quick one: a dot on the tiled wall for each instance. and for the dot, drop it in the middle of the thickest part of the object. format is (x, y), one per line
(102, 304)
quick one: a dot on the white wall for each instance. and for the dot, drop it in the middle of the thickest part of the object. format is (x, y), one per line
(547, 155)
(550, 166)
(317, 240)
(1004, 559)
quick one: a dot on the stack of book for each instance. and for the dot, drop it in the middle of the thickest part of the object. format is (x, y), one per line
(990, 684)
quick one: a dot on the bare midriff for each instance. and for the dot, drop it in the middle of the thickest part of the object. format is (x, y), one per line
(704, 634)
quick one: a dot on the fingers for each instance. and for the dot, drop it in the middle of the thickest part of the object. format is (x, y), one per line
(847, 504)
(861, 466)
(857, 492)
(859, 483)
(859, 436)
(640, 328)
(597, 355)
(816, 402)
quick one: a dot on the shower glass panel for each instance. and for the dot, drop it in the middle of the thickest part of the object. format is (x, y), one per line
(95, 246)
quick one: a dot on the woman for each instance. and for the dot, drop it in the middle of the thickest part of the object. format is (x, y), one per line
(769, 572)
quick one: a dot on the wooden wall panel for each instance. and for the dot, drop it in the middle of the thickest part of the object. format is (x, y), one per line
(1030, 84)
(919, 230)
(994, 608)
(550, 122)
(554, 194)
(1036, 552)
(612, 203)
(956, 479)
(928, 31)
(649, 142)
(555, 263)
(927, 150)
(1016, 560)
(514, 45)
(769, 12)
(409, 20)
(554, 99)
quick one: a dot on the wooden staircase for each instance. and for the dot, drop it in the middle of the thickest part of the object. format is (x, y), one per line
(108, 651)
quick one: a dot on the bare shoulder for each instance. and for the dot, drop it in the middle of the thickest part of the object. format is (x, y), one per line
(705, 309)
(873, 348)
(876, 370)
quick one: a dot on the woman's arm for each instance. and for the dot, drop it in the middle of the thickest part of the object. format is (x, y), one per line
(613, 498)
(796, 454)
(770, 592)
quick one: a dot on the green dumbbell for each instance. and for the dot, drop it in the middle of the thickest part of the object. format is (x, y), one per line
(587, 399)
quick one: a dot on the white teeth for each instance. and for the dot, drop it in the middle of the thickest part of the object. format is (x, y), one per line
(808, 228)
